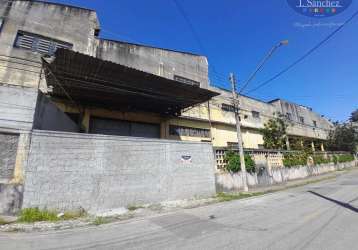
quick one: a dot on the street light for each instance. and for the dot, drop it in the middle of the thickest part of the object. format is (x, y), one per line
(262, 63)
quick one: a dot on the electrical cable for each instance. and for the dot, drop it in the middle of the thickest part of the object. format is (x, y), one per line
(304, 56)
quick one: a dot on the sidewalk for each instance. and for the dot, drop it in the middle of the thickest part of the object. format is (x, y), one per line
(145, 211)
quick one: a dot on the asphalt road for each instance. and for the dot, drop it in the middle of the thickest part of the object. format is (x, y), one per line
(317, 216)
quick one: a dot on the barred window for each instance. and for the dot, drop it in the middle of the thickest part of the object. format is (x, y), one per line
(227, 107)
(188, 131)
(38, 43)
(302, 119)
(186, 80)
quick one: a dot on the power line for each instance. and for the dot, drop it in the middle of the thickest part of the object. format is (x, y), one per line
(195, 34)
(304, 56)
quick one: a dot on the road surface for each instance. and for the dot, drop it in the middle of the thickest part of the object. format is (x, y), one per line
(317, 216)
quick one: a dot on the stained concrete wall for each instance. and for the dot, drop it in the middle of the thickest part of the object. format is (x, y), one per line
(307, 128)
(17, 107)
(8, 151)
(67, 171)
(10, 198)
(234, 182)
(65, 23)
(162, 62)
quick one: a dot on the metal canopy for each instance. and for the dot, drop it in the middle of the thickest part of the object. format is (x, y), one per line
(95, 82)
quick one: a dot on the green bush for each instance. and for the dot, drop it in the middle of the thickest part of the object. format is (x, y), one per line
(345, 158)
(292, 159)
(320, 159)
(35, 214)
(234, 164)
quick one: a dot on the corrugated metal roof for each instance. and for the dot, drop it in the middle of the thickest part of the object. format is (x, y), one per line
(92, 81)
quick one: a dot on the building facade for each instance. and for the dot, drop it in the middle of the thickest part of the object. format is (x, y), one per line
(158, 93)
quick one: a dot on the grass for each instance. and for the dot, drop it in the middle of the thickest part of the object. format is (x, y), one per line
(223, 197)
(30, 215)
(133, 208)
(101, 220)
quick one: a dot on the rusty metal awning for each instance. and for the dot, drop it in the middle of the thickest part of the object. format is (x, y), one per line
(94, 82)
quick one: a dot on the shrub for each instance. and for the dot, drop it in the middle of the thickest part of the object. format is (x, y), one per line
(35, 214)
(291, 159)
(320, 159)
(234, 164)
(345, 158)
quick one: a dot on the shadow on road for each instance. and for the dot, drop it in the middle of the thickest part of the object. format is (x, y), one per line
(342, 204)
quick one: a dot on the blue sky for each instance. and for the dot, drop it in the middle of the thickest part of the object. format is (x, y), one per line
(236, 34)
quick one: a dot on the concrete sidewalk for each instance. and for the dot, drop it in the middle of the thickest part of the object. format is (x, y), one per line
(316, 216)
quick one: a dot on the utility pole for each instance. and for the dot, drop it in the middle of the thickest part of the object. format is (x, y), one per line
(236, 104)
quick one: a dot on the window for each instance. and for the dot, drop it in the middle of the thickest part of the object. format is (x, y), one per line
(38, 43)
(1, 23)
(315, 123)
(187, 131)
(186, 80)
(302, 119)
(227, 107)
(232, 144)
(289, 116)
(255, 114)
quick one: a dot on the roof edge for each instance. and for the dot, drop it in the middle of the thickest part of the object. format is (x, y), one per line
(61, 4)
(151, 46)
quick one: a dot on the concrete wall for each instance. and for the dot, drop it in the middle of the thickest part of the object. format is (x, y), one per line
(307, 128)
(67, 171)
(68, 24)
(8, 151)
(17, 107)
(10, 198)
(49, 117)
(226, 182)
(162, 62)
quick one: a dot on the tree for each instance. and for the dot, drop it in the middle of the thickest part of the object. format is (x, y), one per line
(354, 116)
(343, 138)
(274, 134)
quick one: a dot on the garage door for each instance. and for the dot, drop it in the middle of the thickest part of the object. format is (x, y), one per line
(123, 128)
